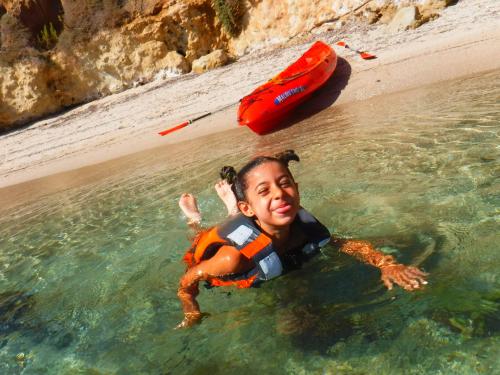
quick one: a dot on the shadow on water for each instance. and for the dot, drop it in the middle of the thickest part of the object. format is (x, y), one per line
(221, 367)
(16, 315)
(339, 297)
(13, 306)
(323, 97)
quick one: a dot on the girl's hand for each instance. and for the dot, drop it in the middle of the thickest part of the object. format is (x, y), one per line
(407, 277)
(190, 319)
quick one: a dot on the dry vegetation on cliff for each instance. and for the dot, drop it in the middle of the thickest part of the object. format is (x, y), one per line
(59, 53)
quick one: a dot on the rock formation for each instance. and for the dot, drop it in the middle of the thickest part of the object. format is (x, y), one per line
(212, 60)
(58, 53)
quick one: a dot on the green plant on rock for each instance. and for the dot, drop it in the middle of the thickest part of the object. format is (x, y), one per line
(230, 14)
(48, 36)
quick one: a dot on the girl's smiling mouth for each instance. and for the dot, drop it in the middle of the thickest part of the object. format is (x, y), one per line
(283, 208)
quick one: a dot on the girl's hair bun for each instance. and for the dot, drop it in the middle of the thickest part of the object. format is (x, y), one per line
(286, 156)
(229, 174)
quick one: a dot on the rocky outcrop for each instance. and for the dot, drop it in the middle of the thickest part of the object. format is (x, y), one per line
(212, 60)
(158, 41)
(25, 89)
(36, 15)
(57, 53)
(413, 16)
(404, 19)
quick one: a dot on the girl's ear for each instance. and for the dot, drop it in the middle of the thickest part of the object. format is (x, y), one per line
(246, 209)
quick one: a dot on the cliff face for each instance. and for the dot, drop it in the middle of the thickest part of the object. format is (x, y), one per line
(57, 53)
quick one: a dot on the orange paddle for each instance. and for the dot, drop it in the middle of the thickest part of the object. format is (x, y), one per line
(183, 124)
(364, 55)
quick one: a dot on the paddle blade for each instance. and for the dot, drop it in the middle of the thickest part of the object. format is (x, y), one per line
(367, 56)
(364, 55)
(173, 129)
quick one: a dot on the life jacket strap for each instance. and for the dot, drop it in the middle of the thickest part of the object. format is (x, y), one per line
(243, 283)
(256, 246)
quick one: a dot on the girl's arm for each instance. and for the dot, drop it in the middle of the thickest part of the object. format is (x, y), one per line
(408, 277)
(226, 261)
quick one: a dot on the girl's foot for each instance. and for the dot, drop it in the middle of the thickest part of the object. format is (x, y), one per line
(227, 196)
(187, 203)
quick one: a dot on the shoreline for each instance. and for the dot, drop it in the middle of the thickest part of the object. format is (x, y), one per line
(453, 46)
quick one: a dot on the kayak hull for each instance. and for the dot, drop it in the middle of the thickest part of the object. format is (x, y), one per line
(267, 107)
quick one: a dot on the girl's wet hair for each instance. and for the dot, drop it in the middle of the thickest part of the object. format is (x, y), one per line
(238, 179)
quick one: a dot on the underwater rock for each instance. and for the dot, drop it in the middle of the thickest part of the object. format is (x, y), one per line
(20, 357)
(424, 347)
(293, 321)
(13, 306)
(467, 311)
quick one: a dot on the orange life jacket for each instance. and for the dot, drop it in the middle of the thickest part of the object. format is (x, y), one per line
(242, 233)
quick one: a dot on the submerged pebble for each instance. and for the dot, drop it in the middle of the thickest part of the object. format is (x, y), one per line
(20, 357)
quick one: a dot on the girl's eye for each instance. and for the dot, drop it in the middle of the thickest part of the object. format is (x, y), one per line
(263, 191)
(285, 183)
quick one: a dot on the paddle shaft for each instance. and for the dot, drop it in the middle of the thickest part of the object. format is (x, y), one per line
(183, 124)
(188, 122)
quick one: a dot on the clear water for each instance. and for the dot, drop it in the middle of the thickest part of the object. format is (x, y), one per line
(88, 274)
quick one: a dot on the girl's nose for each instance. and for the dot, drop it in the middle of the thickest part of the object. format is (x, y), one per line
(277, 192)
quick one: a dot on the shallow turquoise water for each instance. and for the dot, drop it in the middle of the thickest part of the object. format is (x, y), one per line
(88, 275)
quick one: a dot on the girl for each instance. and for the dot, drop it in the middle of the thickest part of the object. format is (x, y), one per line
(267, 233)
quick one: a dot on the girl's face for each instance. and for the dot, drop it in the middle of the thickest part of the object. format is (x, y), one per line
(272, 196)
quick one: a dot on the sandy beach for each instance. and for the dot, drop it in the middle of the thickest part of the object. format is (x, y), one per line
(462, 42)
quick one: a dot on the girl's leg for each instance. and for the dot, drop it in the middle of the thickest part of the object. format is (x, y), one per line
(187, 203)
(227, 196)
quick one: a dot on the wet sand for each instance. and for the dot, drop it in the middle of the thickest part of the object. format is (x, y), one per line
(462, 42)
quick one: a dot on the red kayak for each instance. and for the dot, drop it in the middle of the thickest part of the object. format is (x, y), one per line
(266, 108)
